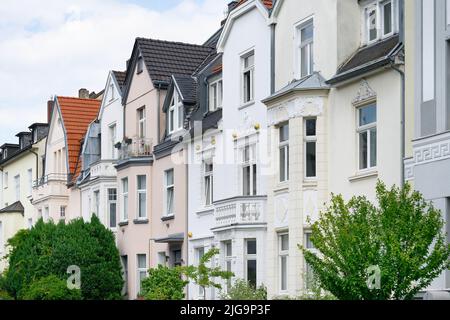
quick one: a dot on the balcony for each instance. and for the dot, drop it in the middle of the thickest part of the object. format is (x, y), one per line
(52, 184)
(240, 210)
(103, 169)
(135, 148)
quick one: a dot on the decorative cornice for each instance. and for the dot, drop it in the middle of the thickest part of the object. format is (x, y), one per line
(296, 108)
(365, 93)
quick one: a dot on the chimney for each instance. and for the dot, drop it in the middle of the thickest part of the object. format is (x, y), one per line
(49, 110)
(83, 93)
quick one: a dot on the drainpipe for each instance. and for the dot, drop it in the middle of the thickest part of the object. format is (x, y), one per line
(158, 124)
(402, 123)
(272, 58)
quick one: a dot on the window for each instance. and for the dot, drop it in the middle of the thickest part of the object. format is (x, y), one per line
(111, 90)
(176, 258)
(249, 171)
(17, 187)
(248, 64)
(367, 136)
(30, 181)
(215, 95)
(140, 65)
(112, 207)
(310, 147)
(2, 243)
(176, 114)
(250, 261)
(124, 199)
(96, 202)
(284, 152)
(309, 277)
(141, 122)
(379, 20)
(169, 192)
(62, 212)
(305, 53)
(228, 245)
(208, 183)
(283, 253)
(142, 196)
(200, 252)
(46, 214)
(141, 270)
(124, 260)
(112, 140)
(5, 180)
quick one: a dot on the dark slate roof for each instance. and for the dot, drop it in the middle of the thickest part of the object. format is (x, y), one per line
(15, 207)
(120, 78)
(165, 58)
(368, 58)
(187, 86)
(314, 81)
(209, 121)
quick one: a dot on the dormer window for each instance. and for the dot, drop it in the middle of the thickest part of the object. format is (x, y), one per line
(379, 20)
(215, 94)
(140, 65)
(175, 114)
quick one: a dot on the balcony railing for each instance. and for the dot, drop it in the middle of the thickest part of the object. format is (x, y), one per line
(103, 169)
(51, 177)
(136, 147)
(240, 210)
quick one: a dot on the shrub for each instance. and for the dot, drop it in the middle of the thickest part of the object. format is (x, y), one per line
(49, 249)
(242, 290)
(50, 288)
(163, 283)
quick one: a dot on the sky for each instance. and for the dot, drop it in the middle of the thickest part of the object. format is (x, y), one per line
(55, 47)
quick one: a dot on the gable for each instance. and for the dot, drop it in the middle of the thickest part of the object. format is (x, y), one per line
(111, 94)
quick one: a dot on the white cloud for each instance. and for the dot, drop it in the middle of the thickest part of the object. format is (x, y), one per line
(58, 46)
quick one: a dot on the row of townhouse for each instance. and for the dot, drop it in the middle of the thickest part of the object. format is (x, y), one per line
(239, 142)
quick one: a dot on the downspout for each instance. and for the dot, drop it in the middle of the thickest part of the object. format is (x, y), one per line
(158, 124)
(272, 58)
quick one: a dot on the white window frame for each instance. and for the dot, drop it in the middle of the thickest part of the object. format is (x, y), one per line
(283, 147)
(309, 139)
(250, 162)
(366, 128)
(142, 122)
(141, 192)
(175, 113)
(109, 203)
(166, 193)
(62, 212)
(378, 6)
(124, 196)
(248, 257)
(17, 187)
(208, 176)
(251, 70)
(283, 254)
(139, 270)
(112, 130)
(215, 100)
(300, 44)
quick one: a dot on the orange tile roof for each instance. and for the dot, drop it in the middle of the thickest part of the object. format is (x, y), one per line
(267, 3)
(77, 114)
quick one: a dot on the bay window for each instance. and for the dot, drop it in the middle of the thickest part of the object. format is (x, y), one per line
(367, 136)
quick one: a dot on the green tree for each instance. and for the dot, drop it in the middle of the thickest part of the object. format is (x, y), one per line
(164, 283)
(242, 290)
(203, 275)
(51, 288)
(401, 237)
(49, 249)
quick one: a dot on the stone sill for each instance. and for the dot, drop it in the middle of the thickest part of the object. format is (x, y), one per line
(364, 175)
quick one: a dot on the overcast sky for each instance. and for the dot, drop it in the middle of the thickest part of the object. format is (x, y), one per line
(55, 47)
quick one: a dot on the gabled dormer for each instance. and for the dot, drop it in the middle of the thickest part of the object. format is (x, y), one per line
(39, 131)
(8, 150)
(25, 139)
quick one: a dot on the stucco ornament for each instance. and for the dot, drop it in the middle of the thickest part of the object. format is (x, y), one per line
(365, 93)
(296, 108)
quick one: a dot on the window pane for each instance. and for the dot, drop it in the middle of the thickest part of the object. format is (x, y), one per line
(283, 164)
(310, 127)
(304, 61)
(251, 246)
(180, 116)
(283, 270)
(142, 261)
(367, 114)
(169, 177)
(247, 86)
(112, 215)
(142, 205)
(310, 159)
(372, 23)
(229, 249)
(171, 120)
(307, 33)
(284, 242)
(125, 185)
(254, 179)
(208, 190)
(125, 207)
(387, 21)
(309, 244)
(373, 147)
(170, 201)
(284, 133)
(246, 181)
(112, 194)
(249, 61)
(251, 272)
(142, 180)
(363, 150)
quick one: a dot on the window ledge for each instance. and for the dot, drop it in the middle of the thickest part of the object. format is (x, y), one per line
(168, 217)
(246, 105)
(363, 175)
(204, 211)
(281, 186)
(122, 223)
(310, 183)
(140, 221)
